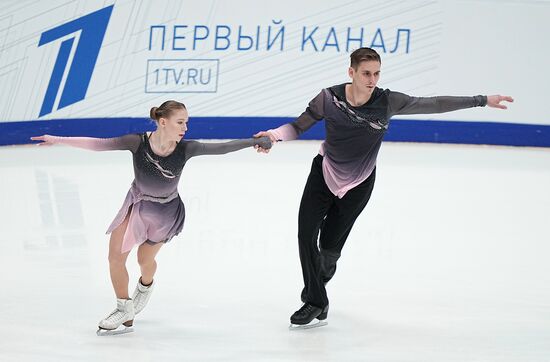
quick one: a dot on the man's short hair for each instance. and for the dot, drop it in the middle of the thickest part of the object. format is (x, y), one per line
(363, 54)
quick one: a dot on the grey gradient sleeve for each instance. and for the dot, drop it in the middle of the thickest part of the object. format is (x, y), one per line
(128, 142)
(196, 148)
(313, 113)
(400, 103)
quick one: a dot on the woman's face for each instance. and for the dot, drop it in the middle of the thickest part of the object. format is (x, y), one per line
(175, 125)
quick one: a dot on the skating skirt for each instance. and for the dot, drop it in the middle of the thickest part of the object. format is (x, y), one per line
(151, 219)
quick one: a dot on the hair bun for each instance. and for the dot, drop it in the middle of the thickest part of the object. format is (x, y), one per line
(153, 113)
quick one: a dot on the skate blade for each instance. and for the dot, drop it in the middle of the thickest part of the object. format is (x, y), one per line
(113, 332)
(313, 324)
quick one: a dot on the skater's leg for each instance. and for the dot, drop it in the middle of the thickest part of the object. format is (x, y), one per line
(335, 229)
(117, 261)
(146, 259)
(316, 200)
(124, 314)
(339, 222)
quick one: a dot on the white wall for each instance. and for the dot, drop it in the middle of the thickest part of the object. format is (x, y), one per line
(456, 48)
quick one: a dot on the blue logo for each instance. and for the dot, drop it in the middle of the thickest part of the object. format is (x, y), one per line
(92, 29)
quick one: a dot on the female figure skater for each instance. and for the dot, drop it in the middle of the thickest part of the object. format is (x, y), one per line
(153, 211)
(342, 175)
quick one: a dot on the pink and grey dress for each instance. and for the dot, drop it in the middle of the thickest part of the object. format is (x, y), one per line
(156, 210)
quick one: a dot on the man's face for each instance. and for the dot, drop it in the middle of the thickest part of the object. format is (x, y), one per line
(366, 76)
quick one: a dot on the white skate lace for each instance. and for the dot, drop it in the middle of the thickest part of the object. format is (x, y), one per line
(114, 316)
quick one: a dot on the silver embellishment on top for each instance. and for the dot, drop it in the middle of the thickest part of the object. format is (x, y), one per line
(355, 117)
(166, 173)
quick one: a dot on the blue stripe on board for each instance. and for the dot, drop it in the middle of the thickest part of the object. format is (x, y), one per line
(511, 134)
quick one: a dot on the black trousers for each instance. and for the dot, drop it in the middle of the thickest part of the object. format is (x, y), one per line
(321, 212)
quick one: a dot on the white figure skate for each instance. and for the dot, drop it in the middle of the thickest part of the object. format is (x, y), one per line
(120, 320)
(141, 295)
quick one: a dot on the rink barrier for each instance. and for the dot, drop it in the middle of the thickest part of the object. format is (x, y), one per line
(489, 133)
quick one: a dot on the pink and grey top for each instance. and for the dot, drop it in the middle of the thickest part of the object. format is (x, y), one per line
(156, 210)
(354, 134)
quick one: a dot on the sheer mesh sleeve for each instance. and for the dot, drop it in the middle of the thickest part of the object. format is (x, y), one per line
(400, 103)
(195, 148)
(127, 142)
(313, 113)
